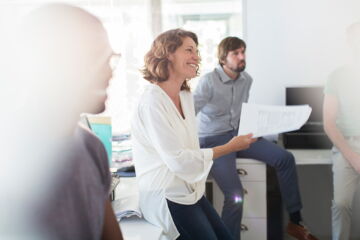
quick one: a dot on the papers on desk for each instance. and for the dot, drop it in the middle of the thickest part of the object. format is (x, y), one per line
(262, 120)
(127, 206)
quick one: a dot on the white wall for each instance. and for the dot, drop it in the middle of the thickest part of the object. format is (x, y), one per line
(295, 43)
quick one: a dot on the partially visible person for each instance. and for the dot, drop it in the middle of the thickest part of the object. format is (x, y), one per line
(63, 53)
(218, 100)
(171, 168)
(341, 113)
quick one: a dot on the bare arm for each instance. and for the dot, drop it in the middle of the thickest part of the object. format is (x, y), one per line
(111, 229)
(330, 111)
(235, 144)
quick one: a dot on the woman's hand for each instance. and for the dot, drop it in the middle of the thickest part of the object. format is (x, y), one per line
(235, 144)
(241, 142)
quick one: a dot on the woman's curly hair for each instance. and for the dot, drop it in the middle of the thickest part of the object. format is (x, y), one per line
(156, 60)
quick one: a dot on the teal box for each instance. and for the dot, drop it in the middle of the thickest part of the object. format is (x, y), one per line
(101, 126)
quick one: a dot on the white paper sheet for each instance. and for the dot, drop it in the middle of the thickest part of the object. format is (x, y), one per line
(262, 120)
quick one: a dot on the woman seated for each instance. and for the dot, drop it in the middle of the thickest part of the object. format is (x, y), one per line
(171, 168)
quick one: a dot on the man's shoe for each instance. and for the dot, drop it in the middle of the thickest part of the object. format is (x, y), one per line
(299, 232)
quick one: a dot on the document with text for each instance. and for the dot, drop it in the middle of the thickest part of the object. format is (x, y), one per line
(262, 120)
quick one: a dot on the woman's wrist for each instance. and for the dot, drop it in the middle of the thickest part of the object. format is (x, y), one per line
(221, 150)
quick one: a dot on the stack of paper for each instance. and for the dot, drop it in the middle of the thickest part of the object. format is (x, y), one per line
(127, 206)
(122, 152)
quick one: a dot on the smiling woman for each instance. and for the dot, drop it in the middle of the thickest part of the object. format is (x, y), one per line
(171, 168)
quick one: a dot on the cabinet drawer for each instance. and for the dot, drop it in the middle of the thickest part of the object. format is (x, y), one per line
(251, 172)
(254, 199)
(253, 229)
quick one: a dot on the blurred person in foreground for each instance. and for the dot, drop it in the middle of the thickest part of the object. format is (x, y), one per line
(62, 56)
(341, 113)
(171, 168)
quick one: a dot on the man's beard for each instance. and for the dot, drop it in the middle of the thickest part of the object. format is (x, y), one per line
(239, 69)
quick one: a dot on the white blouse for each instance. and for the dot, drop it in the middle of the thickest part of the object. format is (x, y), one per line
(168, 160)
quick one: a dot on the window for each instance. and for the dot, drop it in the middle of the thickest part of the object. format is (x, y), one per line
(132, 25)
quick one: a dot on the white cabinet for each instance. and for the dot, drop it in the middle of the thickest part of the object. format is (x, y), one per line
(253, 177)
(256, 229)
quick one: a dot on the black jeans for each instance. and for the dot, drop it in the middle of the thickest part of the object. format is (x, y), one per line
(199, 221)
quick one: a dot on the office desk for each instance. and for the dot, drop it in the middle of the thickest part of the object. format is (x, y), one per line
(311, 156)
(253, 175)
(134, 228)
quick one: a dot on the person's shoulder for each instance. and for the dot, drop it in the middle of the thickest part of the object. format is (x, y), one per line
(153, 98)
(246, 76)
(154, 90)
(86, 140)
(346, 71)
(86, 136)
(94, 152)
(83, 131)
(151, 94)
(338, 78)
(340, 74)
(209, 75)
(340, 70)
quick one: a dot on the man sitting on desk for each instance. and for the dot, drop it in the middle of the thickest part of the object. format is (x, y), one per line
(218, 100)
(65, 56)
